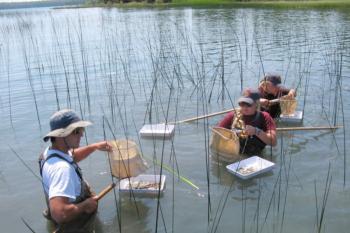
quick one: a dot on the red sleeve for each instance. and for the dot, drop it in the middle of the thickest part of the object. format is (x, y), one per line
(227, 121)
(270, 123)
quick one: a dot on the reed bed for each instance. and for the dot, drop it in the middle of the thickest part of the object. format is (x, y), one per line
(277, 4)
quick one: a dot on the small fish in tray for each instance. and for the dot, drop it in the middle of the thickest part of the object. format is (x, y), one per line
(250, 167)
(247, 170)
(143, 185)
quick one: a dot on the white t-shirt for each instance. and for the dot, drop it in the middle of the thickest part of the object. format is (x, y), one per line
(59, 177)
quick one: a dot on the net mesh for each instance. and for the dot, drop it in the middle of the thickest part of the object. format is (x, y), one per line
(126, 160)
(288, 106)
(225, 144)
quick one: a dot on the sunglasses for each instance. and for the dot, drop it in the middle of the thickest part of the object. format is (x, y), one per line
(243, 104)
(78, 131)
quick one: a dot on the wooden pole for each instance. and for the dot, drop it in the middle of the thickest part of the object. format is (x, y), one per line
(309, 128)
(202, 117)
(212, 114)
(282, 129)
(105, 191)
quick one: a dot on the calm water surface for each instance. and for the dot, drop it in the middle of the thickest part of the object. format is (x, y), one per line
(132, 67)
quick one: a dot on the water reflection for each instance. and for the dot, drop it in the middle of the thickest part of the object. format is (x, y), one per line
(218, 170)
(135, 214)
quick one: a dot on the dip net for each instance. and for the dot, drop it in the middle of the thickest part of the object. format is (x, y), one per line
(225, 144)
(288, 106)
(126, 160)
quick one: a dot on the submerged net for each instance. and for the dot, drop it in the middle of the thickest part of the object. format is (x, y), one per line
(225, 144)
(126, 160)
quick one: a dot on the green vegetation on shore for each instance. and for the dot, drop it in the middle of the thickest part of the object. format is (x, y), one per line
(287, 4)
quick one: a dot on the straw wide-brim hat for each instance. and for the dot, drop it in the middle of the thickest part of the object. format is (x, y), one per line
(64, 122)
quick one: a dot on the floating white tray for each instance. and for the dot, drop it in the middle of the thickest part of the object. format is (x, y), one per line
(157, 130)
(250, 167)
(296, 117)
(143, 184)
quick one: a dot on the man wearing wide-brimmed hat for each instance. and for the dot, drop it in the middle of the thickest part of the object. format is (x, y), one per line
(271, 88)
(255, 129)
(71, 204)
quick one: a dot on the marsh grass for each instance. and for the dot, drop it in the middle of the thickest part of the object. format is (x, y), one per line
(176, 76)
(333, 105)
(27, 225)
(25, 31)
(25, 164)
(220, 210)
(305, 5)
(320, 211)
(61, 56)
(343, 122)
(5, 55)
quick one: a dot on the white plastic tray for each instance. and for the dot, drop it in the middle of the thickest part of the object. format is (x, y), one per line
(139, 183)
(157, 130)
(250, 167)
(296, 117)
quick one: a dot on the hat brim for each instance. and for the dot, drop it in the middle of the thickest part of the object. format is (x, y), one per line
(63, 132)
(246, 100)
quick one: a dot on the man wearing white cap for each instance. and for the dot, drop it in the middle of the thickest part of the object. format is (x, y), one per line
(256, 129)
(71, 204)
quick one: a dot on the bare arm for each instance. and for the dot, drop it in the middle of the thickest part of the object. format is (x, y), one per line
(264, 102)
(62, 211)
(84, 151)
(290, 93)
(268, 137)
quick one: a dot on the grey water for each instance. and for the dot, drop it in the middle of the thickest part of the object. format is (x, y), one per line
(123, 68)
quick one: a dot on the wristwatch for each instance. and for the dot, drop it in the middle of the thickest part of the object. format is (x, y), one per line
(257, 131)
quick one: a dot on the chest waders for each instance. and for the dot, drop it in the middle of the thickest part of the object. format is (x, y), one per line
(85, 222)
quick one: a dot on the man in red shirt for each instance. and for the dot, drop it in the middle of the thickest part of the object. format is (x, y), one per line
(256, 129)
